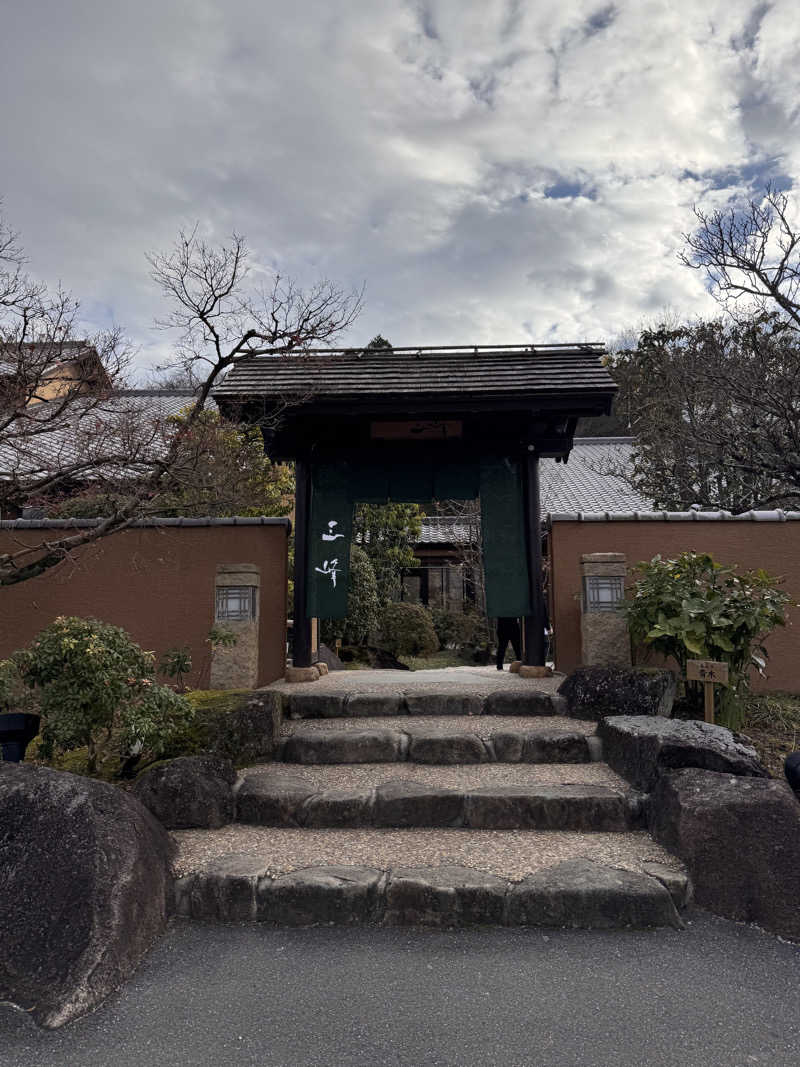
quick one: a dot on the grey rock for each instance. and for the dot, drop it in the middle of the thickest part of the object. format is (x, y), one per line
(740, 840)
(675, 882)
(585, 894)
(444, 896)
(225, 890)
(329, 658)
(367, 705)
(251, 730)
(400, 803)
(519, 702)
(540, 746)
(641, 748)
(547, 807)
(344, 746)
(316, 705)
(438, 703)
(441, 748)
(594, 692)
(337, 807)
(272, 798)
(84, 890)
(340, 895)
(191, 791)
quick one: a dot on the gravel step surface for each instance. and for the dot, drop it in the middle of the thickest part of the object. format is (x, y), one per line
(511, 854)
(477, 680)
(463, 778)
(482, 725)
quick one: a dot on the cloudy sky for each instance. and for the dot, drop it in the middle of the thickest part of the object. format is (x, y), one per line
(493, 170)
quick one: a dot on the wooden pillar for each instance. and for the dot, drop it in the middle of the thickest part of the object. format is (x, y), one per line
(533, 624)
(301, 651)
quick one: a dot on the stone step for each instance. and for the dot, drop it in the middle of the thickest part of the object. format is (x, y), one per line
(432, 740)
(587, 797)
(327, 703)
(427, 878)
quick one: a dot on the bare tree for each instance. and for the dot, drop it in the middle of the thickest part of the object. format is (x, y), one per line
(98, 436)
(750, 252)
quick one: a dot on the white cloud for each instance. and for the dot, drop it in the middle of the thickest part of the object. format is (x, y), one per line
(494, 171)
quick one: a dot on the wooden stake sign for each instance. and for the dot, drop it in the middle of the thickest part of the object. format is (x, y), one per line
(709, 672)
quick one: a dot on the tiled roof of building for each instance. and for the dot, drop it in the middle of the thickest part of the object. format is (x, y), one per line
(447, 530)
(508, 370)
(588, 482)
(91, 426)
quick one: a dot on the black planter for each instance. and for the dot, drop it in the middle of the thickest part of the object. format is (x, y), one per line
(17, 730)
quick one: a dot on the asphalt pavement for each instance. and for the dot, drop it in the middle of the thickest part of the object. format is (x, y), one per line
(717, 993)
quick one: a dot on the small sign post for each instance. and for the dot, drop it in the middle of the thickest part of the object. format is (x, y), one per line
(709, 672)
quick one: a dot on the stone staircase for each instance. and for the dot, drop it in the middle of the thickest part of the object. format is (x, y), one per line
(433, 808)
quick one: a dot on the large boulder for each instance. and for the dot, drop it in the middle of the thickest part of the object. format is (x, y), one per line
(594, 692)
(642, 747)
(188, 792)
(739, 838)
(84, 884)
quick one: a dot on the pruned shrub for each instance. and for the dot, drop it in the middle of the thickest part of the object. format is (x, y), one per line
(407, 630)
(92, 684)
(362, 604)
(456, 629)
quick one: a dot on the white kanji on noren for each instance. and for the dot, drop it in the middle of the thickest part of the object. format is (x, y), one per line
(330, 535)
(330, 568)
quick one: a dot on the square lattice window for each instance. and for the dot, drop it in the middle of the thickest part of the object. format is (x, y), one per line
(603, 592)
(236, 603)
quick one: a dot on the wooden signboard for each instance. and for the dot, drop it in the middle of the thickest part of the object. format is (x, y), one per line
(709, 672)
(420, 430)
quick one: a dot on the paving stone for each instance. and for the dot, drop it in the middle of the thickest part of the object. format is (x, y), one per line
(337, 808)
(555, 807)
(518, 702)
(581, 893)
(675, 882)
(434, 703)
(364, 705)
(444, 896)
(340, 895)
(540, 746)
(344, 746)
(272, 799)
(402, 803)
(225, 889)
(312, 705)
(642, 747)
(446, 748)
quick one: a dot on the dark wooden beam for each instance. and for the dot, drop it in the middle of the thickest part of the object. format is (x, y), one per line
(301, 647)
(533, 624)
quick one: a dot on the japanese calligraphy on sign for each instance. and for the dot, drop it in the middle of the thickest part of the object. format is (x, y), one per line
(707, 670)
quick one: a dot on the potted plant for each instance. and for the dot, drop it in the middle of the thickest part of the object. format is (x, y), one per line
(18, 726)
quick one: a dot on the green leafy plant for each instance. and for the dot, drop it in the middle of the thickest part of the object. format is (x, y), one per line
(362, 604)
(15, 695)
(94, 683)
(693, 608)
(175, 663)
(457, 629)
(407, 630)
(221, 637)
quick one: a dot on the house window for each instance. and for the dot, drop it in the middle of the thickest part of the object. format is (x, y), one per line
(236, 603)
(603, 593)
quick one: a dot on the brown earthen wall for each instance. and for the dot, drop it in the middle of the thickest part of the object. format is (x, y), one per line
(158, 584)
(773, 546)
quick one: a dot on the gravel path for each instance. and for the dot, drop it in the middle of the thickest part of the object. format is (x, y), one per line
(512, 854)
(478, 681)
(462, 776)
(482, 725)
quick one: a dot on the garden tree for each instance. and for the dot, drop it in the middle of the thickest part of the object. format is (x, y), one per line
(221, 469)
(379, 343)
(387, 533)
(715, 409)
(220, 314)
(751, 253)
(363, 608)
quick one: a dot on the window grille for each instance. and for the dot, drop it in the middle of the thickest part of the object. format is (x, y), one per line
(602, 592)
(236, 603)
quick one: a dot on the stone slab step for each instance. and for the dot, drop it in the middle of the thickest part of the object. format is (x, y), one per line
(327, 704)
(422, 742)
(579, 892)
(473, 797)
